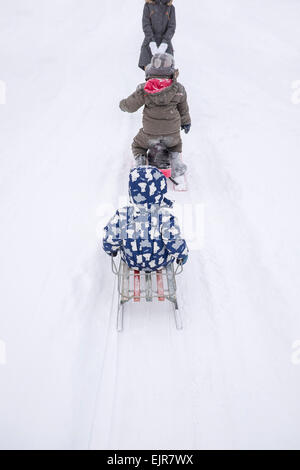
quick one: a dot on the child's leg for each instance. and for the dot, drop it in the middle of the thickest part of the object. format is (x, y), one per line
(173, 142)
(176, 144)
(178, 167)
(140, 145)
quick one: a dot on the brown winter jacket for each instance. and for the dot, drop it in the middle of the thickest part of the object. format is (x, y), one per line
(164, 112)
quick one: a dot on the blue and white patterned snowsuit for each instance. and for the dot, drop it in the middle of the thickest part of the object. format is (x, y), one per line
(146, 231)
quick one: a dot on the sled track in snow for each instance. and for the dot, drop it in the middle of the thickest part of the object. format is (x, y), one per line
(215, 315)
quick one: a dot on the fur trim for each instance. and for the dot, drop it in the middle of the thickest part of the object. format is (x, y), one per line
(153, 1)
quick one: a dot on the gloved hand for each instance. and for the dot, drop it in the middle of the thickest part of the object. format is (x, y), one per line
(163, 48)
(153, 48)
(186, 128)
(182, 260)
(114, 254)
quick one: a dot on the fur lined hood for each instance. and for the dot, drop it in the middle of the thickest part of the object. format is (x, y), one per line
(153, 1)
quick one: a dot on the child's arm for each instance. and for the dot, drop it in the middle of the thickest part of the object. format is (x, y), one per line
(171, 26)
(134, 101)
(184, 110)
(112, 240)
(147, 27)
(172, 239)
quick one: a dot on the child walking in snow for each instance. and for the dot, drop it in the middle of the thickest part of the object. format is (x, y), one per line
(159, 25)
(166, 109)
(146, 232)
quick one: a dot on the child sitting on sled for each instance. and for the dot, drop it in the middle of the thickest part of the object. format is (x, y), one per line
(145, 232)
(166, 110)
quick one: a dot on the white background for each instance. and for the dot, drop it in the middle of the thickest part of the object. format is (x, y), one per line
(226, 381)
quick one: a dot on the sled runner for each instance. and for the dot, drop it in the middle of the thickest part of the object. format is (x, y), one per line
(137, 286)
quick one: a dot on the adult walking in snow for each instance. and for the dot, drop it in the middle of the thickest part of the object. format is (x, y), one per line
(159, 25)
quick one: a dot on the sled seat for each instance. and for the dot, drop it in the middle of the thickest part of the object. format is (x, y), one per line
(138, 286)
(146, 286)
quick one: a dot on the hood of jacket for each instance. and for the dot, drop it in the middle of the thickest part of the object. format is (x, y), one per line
(155, 85)
(147, 188)
(164, 96)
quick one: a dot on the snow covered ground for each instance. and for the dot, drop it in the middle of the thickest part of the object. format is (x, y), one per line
(230, 379)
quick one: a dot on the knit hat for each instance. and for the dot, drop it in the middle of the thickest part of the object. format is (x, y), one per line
(162, 65)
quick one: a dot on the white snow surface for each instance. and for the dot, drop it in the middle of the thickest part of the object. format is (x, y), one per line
(70, 381)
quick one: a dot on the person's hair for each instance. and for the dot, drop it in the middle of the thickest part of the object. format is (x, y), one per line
(153, 1)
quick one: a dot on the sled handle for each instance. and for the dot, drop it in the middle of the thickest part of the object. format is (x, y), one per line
(114, 266)
(179, 269)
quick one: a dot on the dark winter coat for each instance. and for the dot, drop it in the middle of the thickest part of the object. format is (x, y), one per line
(164, 112)
(146, 232)
(159, 25)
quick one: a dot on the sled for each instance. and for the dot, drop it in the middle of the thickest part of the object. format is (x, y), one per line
(138, 286)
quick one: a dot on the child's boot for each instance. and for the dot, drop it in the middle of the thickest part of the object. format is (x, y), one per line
(178, 167)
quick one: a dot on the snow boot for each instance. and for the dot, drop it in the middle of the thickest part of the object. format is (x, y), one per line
(178, 167)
